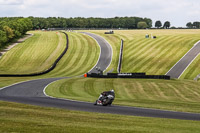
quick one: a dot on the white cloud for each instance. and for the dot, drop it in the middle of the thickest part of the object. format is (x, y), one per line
(11, 2)
(178, 12)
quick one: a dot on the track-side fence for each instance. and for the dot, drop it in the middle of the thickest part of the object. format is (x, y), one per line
(128, 75)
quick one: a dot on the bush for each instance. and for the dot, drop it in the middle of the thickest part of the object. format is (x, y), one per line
(142, 25)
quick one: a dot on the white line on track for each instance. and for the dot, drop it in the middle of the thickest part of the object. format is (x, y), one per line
(99, 54)
(183, 57)
(100, 49)
(188, 65)
(44, 91)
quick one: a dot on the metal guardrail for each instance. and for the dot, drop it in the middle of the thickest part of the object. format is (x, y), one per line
(120, 56)
(128, 75)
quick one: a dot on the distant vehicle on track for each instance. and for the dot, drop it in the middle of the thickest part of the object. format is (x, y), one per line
(110, 32)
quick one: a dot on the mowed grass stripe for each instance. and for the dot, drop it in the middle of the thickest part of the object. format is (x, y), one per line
(56, 53)
(139, 51)
(144, 54)
(149, 63)
(115, 42)
(77, 57)
(164, 63)
(162, 94)
(193, 93)
(82, 55)
(160, 57)
(136, 45)
(150, 56)
(65, 65)
(85, 57)
(193, 70)
(30, 56)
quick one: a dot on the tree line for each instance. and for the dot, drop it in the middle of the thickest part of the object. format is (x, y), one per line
(158, 24)
(12, 28)
(194, 25)
(79, 22)
(15, 27)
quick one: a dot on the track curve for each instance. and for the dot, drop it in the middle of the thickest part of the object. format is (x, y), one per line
(32, 92)
(105, 55)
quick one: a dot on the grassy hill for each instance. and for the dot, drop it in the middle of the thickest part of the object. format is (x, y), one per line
(153, 56)
(82, 55)
(34, 55)
(26, 118)
(177, 95)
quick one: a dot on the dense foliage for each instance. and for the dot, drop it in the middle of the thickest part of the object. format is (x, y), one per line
(11, 28)
(194, 25)
(142, 25)
(15, 27)
(117, 22)
(166, 25)
(158, 24)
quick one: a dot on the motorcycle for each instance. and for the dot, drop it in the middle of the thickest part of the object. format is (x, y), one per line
(105, 100)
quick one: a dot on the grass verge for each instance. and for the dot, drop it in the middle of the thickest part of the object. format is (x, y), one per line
(16, 118)
(177, 95)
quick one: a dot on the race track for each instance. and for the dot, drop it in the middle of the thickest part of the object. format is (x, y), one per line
(177, 70)
(32, 92)
(105, 54)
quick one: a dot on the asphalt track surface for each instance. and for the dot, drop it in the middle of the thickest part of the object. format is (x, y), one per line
(177, 70)
(105, 54)
(32, 92)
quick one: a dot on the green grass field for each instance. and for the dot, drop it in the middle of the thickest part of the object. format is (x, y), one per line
(17, 118)
(153, 56)
(193, 70)
(34, 55)
(141, 55)
(81, 56)
(177, 95)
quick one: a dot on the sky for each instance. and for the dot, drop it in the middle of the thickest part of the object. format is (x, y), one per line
(178, 12)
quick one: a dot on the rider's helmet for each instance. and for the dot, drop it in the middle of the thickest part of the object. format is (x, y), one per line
(112, 90)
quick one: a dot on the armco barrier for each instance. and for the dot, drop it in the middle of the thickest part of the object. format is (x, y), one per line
(128, 75)
(43, 72)
(120, 57)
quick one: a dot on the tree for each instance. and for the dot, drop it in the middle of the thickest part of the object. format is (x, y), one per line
(149, 22)
(9, 32)
(196, 25)
(142, 25)
(167, 25)
(158, 24)
(3, 38)
(189, 25)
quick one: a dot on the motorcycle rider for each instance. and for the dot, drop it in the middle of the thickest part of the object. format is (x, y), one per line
(104, 94)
